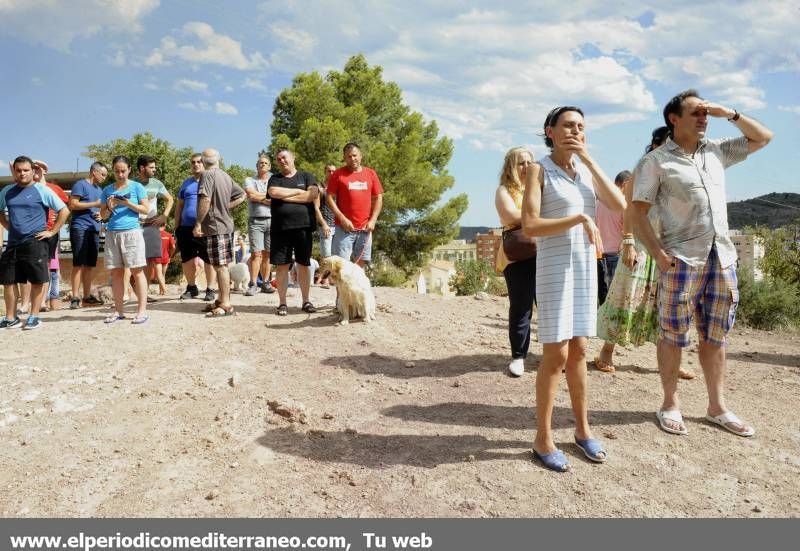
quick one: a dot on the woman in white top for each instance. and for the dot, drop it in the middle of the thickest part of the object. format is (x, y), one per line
(558, 209)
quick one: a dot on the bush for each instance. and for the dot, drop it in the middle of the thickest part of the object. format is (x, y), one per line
(382, 273)
(471, 277)
(497, 286)
(769, 304)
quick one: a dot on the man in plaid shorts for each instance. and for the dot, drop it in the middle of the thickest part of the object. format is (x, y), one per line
(682, 186)
(217, 195)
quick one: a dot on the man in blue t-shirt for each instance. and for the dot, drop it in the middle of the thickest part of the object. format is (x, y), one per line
(84, 233)
(23, 213)
(192, 247)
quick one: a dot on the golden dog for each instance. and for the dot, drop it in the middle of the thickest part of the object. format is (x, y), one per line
(355, 298)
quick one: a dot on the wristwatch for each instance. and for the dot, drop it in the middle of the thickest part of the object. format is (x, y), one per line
(735, 116)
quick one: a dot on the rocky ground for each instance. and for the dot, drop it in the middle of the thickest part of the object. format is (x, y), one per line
(412, 415)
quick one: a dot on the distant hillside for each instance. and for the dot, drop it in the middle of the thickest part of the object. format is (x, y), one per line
(762, 211)
(468, 232)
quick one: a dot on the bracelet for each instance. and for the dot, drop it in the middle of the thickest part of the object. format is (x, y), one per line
(735, 116)
(629, 241)
(627, 235)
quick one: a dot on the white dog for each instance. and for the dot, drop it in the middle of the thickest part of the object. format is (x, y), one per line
(240, 276)
(355, 292)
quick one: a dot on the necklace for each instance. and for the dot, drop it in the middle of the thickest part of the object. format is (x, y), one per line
(567, 167)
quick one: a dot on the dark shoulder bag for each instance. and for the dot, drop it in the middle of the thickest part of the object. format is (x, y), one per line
(517, 245)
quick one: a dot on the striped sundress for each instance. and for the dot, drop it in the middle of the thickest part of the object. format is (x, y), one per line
(566, 264)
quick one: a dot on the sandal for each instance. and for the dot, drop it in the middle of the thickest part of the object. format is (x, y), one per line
(728, 421)
(308, 308)
(592, 449)
(211, 307)
(555, 461)
(605, 367)
(675, 417)
(138, 320)
(220, 312)
(282, 310)
(112, 318)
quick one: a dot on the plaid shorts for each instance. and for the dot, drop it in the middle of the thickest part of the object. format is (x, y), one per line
(220, 249)
(710, 293)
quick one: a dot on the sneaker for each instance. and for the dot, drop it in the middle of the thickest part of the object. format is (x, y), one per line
(517, 367)
(211, 294)
(251, 291)
(74, 303)
(6, 323)
(267, 288)
(282, 310)
(191, 292)
(91, 300)
(33, 322)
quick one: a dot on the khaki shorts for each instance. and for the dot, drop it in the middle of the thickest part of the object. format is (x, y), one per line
(124, 249)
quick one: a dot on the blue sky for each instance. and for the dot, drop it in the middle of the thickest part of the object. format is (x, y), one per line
(205, 73)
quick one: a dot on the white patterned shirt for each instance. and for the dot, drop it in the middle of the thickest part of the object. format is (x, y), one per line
(687, 194)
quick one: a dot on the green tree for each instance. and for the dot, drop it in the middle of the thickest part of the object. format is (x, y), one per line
(472, 277)
(316, 116)
(173, 166)
(781, 252)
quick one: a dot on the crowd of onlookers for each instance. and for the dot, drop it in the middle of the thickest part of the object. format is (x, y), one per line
(285, 210)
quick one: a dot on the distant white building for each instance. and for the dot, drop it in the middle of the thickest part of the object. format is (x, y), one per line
(750, 249)
(458, 249)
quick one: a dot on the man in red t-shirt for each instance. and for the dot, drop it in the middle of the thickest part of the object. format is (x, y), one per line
(355, 196)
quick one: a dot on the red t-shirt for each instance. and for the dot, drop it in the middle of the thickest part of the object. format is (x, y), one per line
(166, 243)
(354, 192)
(51, 214)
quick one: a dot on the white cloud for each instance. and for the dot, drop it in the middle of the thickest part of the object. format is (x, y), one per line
(185, 84)
(151, 86)
(220, 107)
(118, 59)
(58, 24)
(223, 108)
(229, 88)
(192, 106)
(37, 81)
(790, 109)
(205, 47)
(254, 84)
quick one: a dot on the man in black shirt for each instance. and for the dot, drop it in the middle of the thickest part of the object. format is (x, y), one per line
(293, 194)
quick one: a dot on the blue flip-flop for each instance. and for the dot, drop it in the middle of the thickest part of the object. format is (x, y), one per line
(592, 448)
(555, 461)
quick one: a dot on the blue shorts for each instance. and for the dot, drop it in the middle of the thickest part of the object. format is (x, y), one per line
(326, 243)
(85, 244)
(357, 244)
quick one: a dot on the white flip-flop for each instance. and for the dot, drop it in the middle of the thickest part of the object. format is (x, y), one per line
(673, 415)
(729, 417)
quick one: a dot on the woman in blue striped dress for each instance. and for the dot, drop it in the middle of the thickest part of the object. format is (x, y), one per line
(558, 209)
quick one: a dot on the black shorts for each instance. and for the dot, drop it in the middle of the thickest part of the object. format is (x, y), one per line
(85, 244)
(285, 242)
(52, 246)
(25, 262)
(190, 246)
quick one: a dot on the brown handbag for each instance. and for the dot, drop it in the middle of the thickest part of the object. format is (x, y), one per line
(517, 245)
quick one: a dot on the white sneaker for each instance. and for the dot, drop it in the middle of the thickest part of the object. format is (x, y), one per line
(517, 367)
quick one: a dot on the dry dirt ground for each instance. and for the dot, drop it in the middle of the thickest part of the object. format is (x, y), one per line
(412, 415)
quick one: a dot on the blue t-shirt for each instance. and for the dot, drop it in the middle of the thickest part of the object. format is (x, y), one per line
(188, 193)
(123, 218)
(86, 193)
(27, 209)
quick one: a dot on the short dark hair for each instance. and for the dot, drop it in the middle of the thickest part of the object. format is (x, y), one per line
(22, 159)
(658, 138)
(121, 159)
(196, 156)
(144, 160)
(282, 149)
(552, 120)
(96, 166)
(675, 106)
(350, 145)
(622, 176)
